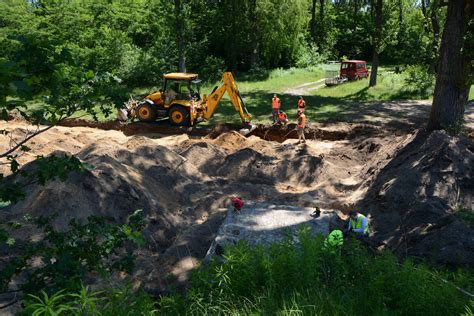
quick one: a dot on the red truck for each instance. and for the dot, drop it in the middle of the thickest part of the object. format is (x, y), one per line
(350, 70)
(354, 69)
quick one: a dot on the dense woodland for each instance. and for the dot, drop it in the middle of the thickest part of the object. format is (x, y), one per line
(139, 40)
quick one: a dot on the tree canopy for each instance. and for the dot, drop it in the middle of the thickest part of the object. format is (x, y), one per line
(138, 40)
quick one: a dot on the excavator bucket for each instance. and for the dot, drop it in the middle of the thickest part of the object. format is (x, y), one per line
(247, 129)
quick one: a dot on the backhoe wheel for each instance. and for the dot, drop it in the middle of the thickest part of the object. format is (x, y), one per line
(146, 112)
(179, 115)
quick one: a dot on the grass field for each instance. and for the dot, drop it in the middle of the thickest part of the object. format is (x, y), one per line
(323, 104)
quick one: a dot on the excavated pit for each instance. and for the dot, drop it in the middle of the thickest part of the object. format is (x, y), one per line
(273, 133)
(408, 182)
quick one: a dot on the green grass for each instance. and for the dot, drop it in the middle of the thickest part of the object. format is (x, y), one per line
(324, 104)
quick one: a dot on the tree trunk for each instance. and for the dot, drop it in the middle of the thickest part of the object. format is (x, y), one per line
(313, 20)
(321, 12)
(401, 27)
(424, 4)
(254, 35)
(179, 24)
(356, 11)
(321, 37)
(436, 34)
(377, 40)
(452, 83)
(423, 7)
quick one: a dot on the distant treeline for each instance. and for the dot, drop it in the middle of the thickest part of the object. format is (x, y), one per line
(139, 40)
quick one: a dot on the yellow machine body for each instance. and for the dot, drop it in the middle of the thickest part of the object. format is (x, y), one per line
(182, 105)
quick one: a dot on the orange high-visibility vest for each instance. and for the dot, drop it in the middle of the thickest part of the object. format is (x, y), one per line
(302, 121)
(282, 116)
(301, 103)
(275, 103)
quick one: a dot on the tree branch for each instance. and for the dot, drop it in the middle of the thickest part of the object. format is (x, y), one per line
(38, 131)
(9, 304)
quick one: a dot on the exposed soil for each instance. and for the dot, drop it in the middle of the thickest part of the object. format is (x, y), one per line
(410, 183)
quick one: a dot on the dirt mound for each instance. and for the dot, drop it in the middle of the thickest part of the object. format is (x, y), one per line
(231, 140)
(410, 184)
(203, 155)
(413, 197)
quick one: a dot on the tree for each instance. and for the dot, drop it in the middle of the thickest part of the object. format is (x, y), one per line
(377, 42)
(455, 67)
(436, 34)
(313, 20)
(180, 27)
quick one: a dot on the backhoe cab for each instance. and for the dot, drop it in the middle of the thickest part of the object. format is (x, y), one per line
(179, 101)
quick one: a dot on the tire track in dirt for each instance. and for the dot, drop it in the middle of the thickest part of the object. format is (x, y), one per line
(305, 88)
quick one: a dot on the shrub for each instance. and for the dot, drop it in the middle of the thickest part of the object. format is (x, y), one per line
(282, 279)
(419, 81)
(112, 301)
(309, 56)
(97, 246)
(304, 277)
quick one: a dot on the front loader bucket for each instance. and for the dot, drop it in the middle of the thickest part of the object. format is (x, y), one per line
(122, 115)
(247, 129)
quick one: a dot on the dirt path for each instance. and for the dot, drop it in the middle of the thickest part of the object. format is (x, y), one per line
(407, 115)
(306, 87)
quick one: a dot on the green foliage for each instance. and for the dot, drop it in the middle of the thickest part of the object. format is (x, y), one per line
(113, 301)
(469, 310)
(47, 169)
(307, 279)
(98, 246)
(51, 167)
(212, 69)
(48, 306)
(309, 57)
(466, 215)
(283, 279)
(419, 81)
(86, 301)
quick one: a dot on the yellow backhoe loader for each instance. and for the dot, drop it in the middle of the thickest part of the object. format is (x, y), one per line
(179, 101)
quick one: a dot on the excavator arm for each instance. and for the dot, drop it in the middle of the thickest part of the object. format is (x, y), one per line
(211, 102)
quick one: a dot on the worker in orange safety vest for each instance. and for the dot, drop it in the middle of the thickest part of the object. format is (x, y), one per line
(275, 107)
(282, 118)
(301, 104)
(300, 126)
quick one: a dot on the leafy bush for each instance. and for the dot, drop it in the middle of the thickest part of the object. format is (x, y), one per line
(68, 256)
(286, 278)
(113, 302)
(309, 56)
(419, 81)
(282, 279)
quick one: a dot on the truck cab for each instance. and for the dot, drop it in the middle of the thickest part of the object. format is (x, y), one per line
(354, 69)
